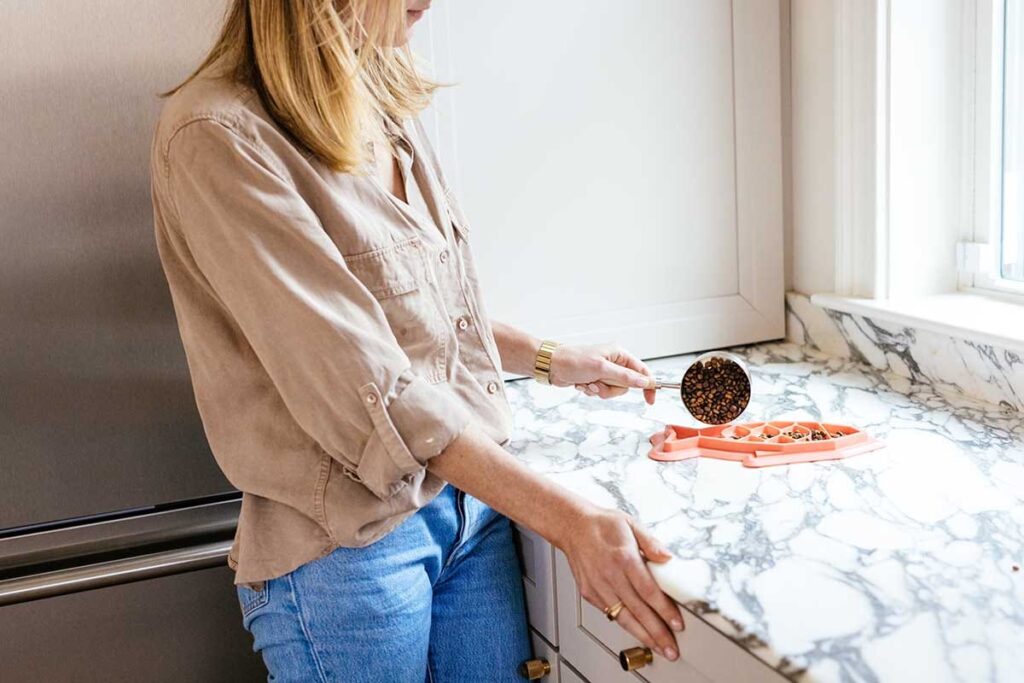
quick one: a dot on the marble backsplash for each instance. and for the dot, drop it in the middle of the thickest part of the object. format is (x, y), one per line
(953, 366)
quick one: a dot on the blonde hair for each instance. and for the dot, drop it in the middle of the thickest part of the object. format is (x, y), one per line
(326, 70)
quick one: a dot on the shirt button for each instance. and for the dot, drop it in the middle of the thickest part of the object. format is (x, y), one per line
(492, 387)
(370, 398)
(443, 255)
(463, 323)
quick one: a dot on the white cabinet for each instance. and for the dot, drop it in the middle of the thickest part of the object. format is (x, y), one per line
(546, 653)
(570, 676)
(592, 644)
(538, 565)
(620, 163)
(589, 645)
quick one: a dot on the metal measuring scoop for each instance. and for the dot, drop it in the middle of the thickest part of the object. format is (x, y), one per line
(705, 401)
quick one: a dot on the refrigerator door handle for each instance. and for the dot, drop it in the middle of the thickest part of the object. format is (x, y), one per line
(113, 572)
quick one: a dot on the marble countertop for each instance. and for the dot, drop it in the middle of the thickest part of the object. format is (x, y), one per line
(894, 565)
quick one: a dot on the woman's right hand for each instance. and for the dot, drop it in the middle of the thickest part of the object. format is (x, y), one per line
(604, 551)
(603, 546)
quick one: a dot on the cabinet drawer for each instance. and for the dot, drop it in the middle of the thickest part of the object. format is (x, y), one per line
(543, 650)
(592, 644)
(570, 676)
(538, 566)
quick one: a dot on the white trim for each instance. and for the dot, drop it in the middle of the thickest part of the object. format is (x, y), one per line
(972, 37)
(973, 257)
(871, 50)
(988, 142)
(862, 126)
(988, 152)
(997, 286)
(875, 53)
(757, 101)
(813, 139)
(977, 317)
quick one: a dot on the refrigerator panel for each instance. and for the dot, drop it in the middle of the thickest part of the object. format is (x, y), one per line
(96, 407)
(186, 627)
(40, 553)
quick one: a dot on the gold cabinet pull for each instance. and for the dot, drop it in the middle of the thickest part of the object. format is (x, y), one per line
(534, 669)
(635, 658)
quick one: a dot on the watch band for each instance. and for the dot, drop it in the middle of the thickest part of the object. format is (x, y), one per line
(542, 363)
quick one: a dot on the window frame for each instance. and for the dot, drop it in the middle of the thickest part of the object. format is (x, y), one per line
(987, 112)
(871, 50)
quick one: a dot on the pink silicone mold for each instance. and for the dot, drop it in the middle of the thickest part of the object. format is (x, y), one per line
(759, 444)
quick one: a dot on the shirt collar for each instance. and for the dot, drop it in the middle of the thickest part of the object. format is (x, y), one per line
(397, 133)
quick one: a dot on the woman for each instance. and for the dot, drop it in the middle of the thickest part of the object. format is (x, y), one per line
(345, 368)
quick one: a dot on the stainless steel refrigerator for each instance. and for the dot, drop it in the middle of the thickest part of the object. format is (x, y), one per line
(114, 519)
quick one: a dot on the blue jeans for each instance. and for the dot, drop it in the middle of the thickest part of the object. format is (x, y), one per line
(438, 599)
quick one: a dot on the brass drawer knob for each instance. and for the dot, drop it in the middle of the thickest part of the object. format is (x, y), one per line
(534, 669)
(635, 658)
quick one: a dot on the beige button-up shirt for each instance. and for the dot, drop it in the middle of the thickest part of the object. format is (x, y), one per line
(336, 336)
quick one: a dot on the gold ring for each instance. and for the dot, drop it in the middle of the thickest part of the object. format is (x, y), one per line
(613, 612)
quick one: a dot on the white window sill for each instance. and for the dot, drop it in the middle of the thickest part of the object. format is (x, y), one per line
(967, 315)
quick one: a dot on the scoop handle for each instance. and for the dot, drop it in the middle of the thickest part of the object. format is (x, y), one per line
(658, 384)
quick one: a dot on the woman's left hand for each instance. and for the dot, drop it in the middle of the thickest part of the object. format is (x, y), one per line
(585, 366)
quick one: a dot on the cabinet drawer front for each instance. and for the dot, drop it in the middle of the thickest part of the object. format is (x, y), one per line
(538, 565)
(706, 656)
(543, 650)
(594, 658)
(570, 676)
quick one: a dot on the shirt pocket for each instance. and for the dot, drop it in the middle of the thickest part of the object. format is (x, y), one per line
(400, 280)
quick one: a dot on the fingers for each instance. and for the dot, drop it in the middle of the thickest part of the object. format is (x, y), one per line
(649, 394)
(606, 597)
(629, 623)
(601, 390)
(618, 368)
(625, 376)
(589, 389)
(606, 562)
(650, 620)
(634, 363)
(652, 548)
(643, 583)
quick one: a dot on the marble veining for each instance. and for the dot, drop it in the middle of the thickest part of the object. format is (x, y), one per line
(889, 566)
(953, 365)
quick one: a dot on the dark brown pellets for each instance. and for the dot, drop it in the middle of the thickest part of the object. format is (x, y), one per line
(819, 435)
(716, 390)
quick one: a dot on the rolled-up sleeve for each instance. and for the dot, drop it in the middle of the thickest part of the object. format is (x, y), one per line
(321, 335)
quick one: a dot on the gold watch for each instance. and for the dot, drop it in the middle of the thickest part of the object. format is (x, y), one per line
(542, 363)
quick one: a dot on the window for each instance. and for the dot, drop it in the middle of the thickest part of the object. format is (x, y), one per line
(1011, 237)
(995, 259)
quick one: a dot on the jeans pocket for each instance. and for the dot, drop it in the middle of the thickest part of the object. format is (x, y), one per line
(251, 599)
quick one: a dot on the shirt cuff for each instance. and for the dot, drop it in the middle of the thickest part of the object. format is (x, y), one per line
(414, 426)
